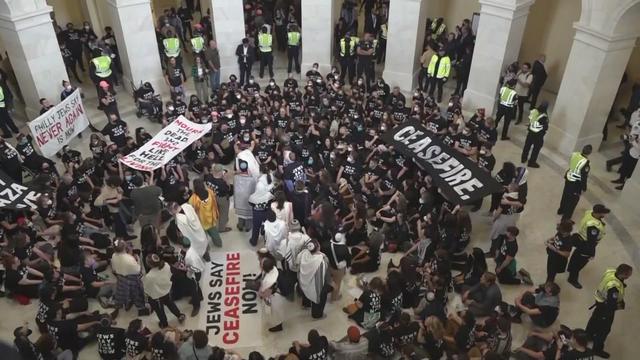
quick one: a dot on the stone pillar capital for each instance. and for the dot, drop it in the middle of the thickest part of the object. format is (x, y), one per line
(126, 3)
(599, 40)
(24, 20)
(507, 9)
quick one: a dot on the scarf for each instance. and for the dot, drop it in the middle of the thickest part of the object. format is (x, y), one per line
(311, 275)
(263, 192)
(189, 225)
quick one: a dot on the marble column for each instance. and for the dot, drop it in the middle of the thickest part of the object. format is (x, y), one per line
(29, 39)
(228, 29)
(407, 19)
(498, 41)
(317, 34)
(133, 26)
(589, 85)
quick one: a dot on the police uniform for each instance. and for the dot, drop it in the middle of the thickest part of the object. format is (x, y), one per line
(538, 126)
(438, 71)
(172, 49)
(197, 43)
(589, 234)
(347, 53)
(100, 67)
(365, 62)
(575, 183)
(293, 49)
(506, 108)
(609, 297)
(265, 42)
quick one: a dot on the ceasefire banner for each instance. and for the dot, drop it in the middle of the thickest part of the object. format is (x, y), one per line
(56, 127)
(459, 178)
(14, 195)
(168, 143)
(232, 315)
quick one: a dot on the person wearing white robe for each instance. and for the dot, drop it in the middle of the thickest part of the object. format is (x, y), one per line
(273, 303)
(314, 278)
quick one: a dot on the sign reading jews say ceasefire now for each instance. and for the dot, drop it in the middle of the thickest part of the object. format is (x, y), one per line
(168, 143)
(460, 179)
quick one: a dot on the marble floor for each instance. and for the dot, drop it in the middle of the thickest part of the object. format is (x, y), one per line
(536, 224)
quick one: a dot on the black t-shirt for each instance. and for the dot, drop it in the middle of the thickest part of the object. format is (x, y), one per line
(466, 337)
(508, 248)
(135, 343)
(408, 334)
(65, 332)
(371, 302)
(574, 354)
(218, 185)
(433, 347)
(487, 162)
(175, 75)
(110, 343)
(117, 132)
(318, 352)
(13, 277)
(89, 275)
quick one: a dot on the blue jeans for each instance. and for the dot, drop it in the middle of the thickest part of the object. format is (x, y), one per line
(214, 80)
(259, 217)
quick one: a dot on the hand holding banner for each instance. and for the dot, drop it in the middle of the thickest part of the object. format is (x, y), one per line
(168, 143)
(56, 127)
(459, 178)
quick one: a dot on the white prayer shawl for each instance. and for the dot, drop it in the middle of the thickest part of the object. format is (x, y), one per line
(291, 247)
(274, 233)
(193, 261)
(263, 191)
(253, 167)
(190, 227)
(312, 274)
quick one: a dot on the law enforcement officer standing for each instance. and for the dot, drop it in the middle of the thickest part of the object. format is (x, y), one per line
(538, 126)
(575, 182)
(591, 230)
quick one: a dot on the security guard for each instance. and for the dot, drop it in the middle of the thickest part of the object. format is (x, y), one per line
(438, 71)
(347, 52)
(438, 28)
(366, 53)
(609, 298)
(538, 126)
(265, 41)
(172, 48)
(575, 182)
(507, 107)
(382, 42)
(293, 50)
(198, 41)
(590, 232)
(100, 69)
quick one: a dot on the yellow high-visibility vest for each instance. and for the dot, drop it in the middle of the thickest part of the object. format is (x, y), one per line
(443, 69)
(103, 66)
(171, 47)
(576, 163)
(264, 42)
(352, 46)
(587, 221)
(534, 121)
(383, 31)
(438, 30)
(508, 96)
(609, 280)
(1, 97)
(293, 38)
(197, 43)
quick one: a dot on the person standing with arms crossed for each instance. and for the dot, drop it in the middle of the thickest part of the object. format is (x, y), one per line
(246, 56)
(507, 107)
(590, 232)
(438, 72)
(347, 54)
(575, 182)
(538, 126)
(294, 39)
(265, 42)
(609, 298)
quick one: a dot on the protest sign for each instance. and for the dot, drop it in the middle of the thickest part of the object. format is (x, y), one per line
(459, 178)
(233, 313)
(56, 127)
(168, 143)
(14, 195)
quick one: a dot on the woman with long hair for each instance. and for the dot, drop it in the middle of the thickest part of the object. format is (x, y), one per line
(282, 208)
(205, 204)
(431, 337)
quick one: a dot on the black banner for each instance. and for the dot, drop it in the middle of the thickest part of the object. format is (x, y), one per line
(14, 195)
(459, 178)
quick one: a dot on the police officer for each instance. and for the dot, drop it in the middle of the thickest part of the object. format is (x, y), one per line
(438, 72)
(609, 297)
(575, 182)
(366, 54)
(382, 42)
(591, 230)
(347, 53)
(293, 49)
(100, 69)
(265, 42)
(538, 126)
(507, 107)
(438, 28)
(197, 41)
(171, 45)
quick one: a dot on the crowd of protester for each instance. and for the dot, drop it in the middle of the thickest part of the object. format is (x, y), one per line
(322, 196)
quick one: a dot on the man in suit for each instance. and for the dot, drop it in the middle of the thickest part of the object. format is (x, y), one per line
(539, 73)
(246, 56)
(372, 23)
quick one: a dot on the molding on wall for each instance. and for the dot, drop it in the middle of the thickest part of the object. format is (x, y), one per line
(120, 4)
(501, 9)
(23, 21)
(602, 41)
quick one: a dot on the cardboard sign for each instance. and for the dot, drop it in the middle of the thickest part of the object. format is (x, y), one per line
(55, 128)
(168, 143)
(14, 195)
(231, 313)
(459, 178)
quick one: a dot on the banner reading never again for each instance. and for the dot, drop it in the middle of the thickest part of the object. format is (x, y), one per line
(14, 195)
(459, 178)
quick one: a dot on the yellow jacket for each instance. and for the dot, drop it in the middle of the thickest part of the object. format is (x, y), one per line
(207, 210)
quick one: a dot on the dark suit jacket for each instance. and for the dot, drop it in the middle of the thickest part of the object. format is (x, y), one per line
(370, 26)
(539, 74)
(251, 55)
